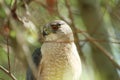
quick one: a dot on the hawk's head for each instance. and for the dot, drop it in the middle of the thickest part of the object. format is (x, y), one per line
(57, 30)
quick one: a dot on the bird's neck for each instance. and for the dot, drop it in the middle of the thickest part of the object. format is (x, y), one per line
(59, 39)
(56, 48)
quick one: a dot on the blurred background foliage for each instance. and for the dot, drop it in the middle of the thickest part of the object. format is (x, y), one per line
(96, 27)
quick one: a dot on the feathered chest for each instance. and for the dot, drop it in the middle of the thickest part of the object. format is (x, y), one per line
(58, 61)
(56, 49)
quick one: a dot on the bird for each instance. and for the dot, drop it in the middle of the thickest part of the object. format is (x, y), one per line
(36, 57)
(57, 58)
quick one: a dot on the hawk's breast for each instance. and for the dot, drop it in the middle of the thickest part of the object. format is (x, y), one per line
(60, 61)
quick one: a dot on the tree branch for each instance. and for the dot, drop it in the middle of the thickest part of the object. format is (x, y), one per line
(105, 52)
(8, 55)
(58, 13)
(7, 72)
(74, 29)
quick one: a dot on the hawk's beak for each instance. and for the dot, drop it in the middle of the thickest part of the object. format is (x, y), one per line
(46, 31)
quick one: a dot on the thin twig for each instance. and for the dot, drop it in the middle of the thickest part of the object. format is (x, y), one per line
(74, 29)
(58, 13)
(8, 55)
(105, 52)
(40, 3)
(96, 26)
(13, 11)
(7, 72)
(84, 40)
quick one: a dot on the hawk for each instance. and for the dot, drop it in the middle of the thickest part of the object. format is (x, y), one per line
(58, 58)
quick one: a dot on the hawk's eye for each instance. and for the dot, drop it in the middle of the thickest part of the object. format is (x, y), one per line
(55, 26)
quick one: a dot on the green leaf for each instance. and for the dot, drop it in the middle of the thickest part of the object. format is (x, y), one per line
(8, 2)
(13, 34)
(2, 13)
